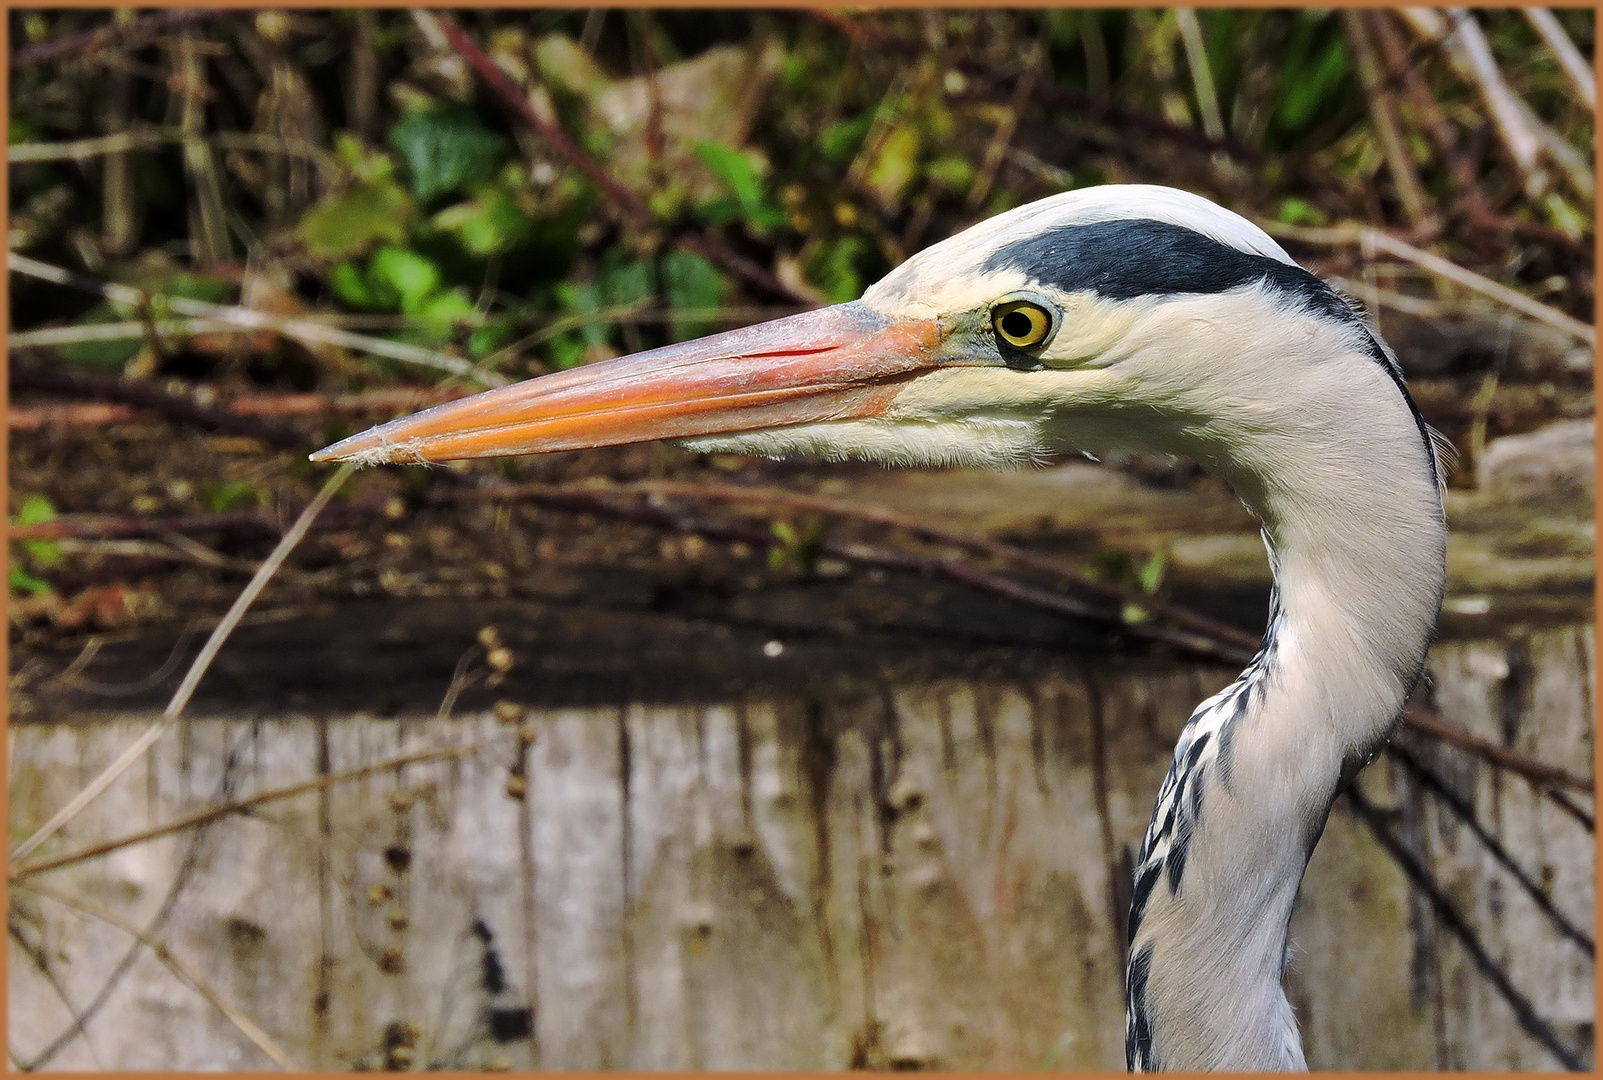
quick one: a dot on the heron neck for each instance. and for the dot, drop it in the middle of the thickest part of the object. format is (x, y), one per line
(1357, 547)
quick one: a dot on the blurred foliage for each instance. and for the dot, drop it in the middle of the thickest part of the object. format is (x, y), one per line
(36, 555)
(825, 147)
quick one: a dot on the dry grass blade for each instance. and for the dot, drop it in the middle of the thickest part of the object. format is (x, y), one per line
(186, 689)
(247, 1027)
(1570, 60)
(123, 142)
(1201, 72)
(1383, 112)
(305, 330)
(215, 812)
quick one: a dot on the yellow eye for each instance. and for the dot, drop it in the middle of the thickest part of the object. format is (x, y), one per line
(1021, 324)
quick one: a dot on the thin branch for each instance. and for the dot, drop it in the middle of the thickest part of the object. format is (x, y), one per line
(55, 336)
(1524, 1012)
(592, 501)
(303, 330)
(1202, 636)
(626, 201)
(1466, 814)
(41, 963)
(394, 400)
(1536, 772)
(185, 973)
(90, 43)
(1365, 236)
(1206, 637)
(239, 806)
(979, 545)
(186, 689)
(143, 394)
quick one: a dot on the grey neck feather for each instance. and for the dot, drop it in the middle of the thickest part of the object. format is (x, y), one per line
(1357, 541)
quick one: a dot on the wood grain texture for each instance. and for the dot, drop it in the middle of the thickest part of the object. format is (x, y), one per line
(929, 876)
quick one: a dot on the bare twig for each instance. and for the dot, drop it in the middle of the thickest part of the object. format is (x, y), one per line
(304, 330)
(979, 545)
(391, 400)
(247, 1027)
(1203, 637)
(1569, 58)
(239, 806)
(626, 201)
(88, 45)
(186, 689)
(209, 241)
(1002, 138)
(1391, 245)
(143, 394)
(1427, 113)
(1536, 772)
(591, 500)
(42, 963)
(1466, 814)
(1524, 1012)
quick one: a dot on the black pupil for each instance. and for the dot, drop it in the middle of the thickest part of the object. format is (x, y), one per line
(1016, 324)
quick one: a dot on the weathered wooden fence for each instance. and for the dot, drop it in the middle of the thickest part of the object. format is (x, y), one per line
(930, 876)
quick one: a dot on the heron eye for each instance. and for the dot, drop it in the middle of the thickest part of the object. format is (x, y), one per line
(1021, 324)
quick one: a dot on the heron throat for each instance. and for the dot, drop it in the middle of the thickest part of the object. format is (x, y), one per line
(1353, 522)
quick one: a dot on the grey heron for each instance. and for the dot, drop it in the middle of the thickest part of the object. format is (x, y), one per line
(1118, 317)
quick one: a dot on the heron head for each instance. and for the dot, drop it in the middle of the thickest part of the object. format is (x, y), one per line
(1049, 327)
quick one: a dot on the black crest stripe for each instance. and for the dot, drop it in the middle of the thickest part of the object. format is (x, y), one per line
(1133, 257)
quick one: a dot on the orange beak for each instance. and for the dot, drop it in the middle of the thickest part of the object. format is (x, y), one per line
(837, 363)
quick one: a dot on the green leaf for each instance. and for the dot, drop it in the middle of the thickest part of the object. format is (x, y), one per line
(895, 164)
(840, 140)
(350, 286)
(735, 169)
(1306, 87)
(20, 581)
(1150, 576)
(446, 310)
(834, 269)
(35, 510)
(624, 283)
(583, 298)
(1295, 211)
(404, 275)
(232, 493)
(951, 173)
(190, 286)
(487, 225)
(691, 281)
(567, 351)
(446, 149)
(488, 338)
(347, 223)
